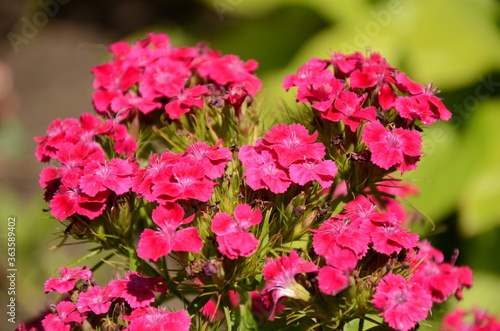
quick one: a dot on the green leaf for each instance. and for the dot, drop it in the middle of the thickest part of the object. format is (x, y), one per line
(199, 302)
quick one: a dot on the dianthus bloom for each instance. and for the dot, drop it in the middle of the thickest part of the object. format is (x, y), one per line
(232, 236)
(67, 280)
(460, 320)
(138, 290)
(153, 319)
(287, 154)
(65, 313)
(397, 147)
(280, 277)
(97, 299)
(154, 244)
(403, 303)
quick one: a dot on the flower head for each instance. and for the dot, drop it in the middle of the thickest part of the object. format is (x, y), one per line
(279, 275)
(154, 244)
(403, 303)
(232, 236)
(67, 280)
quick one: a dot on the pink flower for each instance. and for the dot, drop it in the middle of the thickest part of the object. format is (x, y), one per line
(425, 96)
(153, 319)
(124, 103)
(138, 290)
(155, 244)
(232, 236)
(347, 108)
(186, 100)
(96, 299)
(397, 147)
(387, 235)
(67, 280)
(184, 180)
(293, 143)
(332, 280)
(309, 69)
(213, 158)
(403, 303)
(56, 134)
(164, 77)
(69, 200)
(143, 180)
(413, 109)
(320, 90)
(372, 71)
(439, 278)
(280, 277)
(229, 69)
(263, 169)
(115, 175)
(65, 314)
(460, 320)
(341, 243)
(307, 171)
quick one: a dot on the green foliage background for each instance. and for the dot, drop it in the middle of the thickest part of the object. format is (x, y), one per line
(453, 43)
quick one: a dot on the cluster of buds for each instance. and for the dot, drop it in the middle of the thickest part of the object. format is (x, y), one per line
(295, 225)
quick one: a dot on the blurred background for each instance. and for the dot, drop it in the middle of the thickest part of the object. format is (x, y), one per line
(48, 48)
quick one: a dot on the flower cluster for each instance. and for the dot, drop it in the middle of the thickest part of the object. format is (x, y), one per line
(151, 74)
(474, 319)
(189, 175)
(287, 155)
(84, 179)
(130, 298)
(297, 225)
(368, 90)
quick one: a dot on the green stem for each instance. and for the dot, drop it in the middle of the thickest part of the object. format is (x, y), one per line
(361, 324)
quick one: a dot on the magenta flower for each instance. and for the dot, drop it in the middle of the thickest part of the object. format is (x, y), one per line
(372, 71)
(320, 90)
(143, 180)
(153, 319)
(96, 299)
(397, 147)
(305, 72)
(184, 180)
(164, 77)
(232, 236)
(332, 280)
(439, 278)
(67, 280)
(263, 170)
(403, 303)
(115, 175)
(186, 100)
(387, 235)
(213, 158)
(137, 290)
(57, 133)
(424, 96)
(347, 108)
(341, 243)
(69, 200)
(280, 277)
(461, 320)
(65, 314)
(307, 171)
(229, 69)
(413, 109)
(293, 143)
(124, 103)
(155, 244)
